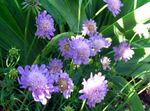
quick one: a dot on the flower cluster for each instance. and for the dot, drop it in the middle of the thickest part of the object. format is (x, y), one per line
(44, 80)
(79, 48)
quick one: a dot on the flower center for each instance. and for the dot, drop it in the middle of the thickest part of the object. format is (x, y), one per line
(45, 25)
(91, 27)
(66, 46)
(37, 80)
(63, 85)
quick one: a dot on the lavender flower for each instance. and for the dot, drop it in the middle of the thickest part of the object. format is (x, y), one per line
(98, 42)
(64, 46)
(114, 6)
(55, 66)
(37, 80)
(64, 84)
(45, 25)
(80, 50)
(89, 27)
(105, 61)
(123, 51)
(95, 89)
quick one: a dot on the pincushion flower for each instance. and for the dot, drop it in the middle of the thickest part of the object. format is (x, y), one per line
(105, 61)
(98, 42)
(64, 46)
(80, 50)
(37, 80)
(94, 89)
(45, 25)
(142, 29)
(123, 51)
(89, 27)
(114, 6)
(55, 66)
(64, 84)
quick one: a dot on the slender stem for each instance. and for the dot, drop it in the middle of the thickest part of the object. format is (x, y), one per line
(26, 30)
(135, 4)
(144, 89)
(99, 11)
(21, 108)
(79, 14)
(83, 104)
(132, 38)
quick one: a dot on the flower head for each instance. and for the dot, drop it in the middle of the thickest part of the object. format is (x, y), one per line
(114, 6)
(123, 51)
(105, 61)
(64, 84)
(89, 27)
(142, 29)
(80, 50)
(98, 42)
(94, 90)
(55, 66)
(64, 46)
(45, 25)
(37, 80)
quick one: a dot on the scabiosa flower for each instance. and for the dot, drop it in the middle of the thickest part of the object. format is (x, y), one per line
(98, 42)
(45, 25)
(114, 6)
(55, 66)
(89, 27)
(80, 50)
(64, 84)
(105, 61)
(94, 90)
(37, 80)
(123, 51)
(64, 46)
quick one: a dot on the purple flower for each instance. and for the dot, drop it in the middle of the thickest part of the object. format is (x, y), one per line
(98, 42)
(64, 47)
(80, 50)
(89, 27)
(45, 25)
(55, 66)
(37, 80)
(123, 51)
(64, 84)
(94, 90)
(114, 6)
(105, 61)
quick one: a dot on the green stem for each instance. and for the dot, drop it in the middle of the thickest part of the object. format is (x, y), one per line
(132, 38)
(25, 31)
(135, 4)
(99, 11)
(83, 104)
(21, 108)
(79, 14)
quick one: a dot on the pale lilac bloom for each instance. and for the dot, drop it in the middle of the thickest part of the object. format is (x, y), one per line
(64, 84)
(114, 6)
(37, 80)
(64, 46)
(123, 51)
(94, 89)
(55, 66)
(80, 50)
(98, 42)
(105, 61)
(45, 25)
(89, 27)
